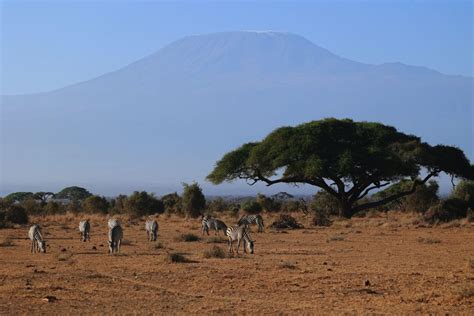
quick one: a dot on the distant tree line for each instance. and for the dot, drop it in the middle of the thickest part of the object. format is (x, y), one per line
(16, 207)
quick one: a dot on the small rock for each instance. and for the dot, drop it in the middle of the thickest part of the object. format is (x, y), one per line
(367, 283)
(325, 263)
(329, 269)
(63, 250)
(94, 248)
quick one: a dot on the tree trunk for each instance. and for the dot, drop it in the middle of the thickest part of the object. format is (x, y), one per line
(346, 209)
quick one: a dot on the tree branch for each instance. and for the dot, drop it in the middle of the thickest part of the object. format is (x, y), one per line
(396, 196)
(370, 189)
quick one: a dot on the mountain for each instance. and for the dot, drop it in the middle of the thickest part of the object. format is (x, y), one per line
(167, 117)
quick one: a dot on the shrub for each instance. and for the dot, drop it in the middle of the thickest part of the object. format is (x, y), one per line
(290, 206)
(325, 203)
(96, 204)
(53, 207)
(193, 200)
(215, 252)
(32, 206)
(268, 204)
(143, 203)
(172, 203)
(465, 191)
(217, 205)
(16, 214)
(251, 206)
(176, 257)
(286, 222)
(188, 238)
(446, 211)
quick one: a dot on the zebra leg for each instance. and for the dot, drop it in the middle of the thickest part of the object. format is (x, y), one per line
(245, 246)
(118, 245)
(238, 245)
(230, 245)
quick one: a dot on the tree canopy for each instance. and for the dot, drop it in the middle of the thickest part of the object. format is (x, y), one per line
(73, 193)
(347, 159)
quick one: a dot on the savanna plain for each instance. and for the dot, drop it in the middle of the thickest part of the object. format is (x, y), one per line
(385, 263)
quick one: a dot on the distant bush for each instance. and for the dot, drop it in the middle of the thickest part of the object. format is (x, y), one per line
(73, 193)
(172, 203)
(268, 204)
(465, 191)
(286, 222)
(32, 206)
(217, 205)
(215, 252)
(143, 203)
(324, 203)
(16, 214)
(251, 206)
(95, 204)
(193, 200)
(53, 207)
(425, 196)
(446, 211)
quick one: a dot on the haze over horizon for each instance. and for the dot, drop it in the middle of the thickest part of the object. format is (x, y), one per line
(167, 117)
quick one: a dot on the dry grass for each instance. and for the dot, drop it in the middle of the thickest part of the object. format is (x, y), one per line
(428, 240)
(6, 242)
(216, 240)
(336, 238)
(188, 237)
(215, 252)
(287, 265)
(297, 272)
(466, 290)
(176, 257)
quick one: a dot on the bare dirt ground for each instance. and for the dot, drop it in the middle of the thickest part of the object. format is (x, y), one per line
(387, 264)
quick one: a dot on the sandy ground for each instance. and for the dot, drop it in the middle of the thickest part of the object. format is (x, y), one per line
(370, 265)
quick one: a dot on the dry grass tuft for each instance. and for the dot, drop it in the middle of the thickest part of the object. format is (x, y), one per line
(466, 290)
(7, 242)
(287, 265)
(215, 252)
(187, 238)
(336, 238)
(159, 245)
(216, 240)
(428, 240)
(176, 257)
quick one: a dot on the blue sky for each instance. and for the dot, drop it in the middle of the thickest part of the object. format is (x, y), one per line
(47, 45)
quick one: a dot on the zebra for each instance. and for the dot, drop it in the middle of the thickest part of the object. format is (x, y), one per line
(213, 223)
(252, 219)
(115, 238)
(37, 242)
(151, 227)
(239, 233)
(112, 222)
(85, 229)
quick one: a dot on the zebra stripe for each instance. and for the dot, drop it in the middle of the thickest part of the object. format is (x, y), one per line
(38, 244)
(151, 227)
(115, 238)
(213, 223)
(252, 219)
(85, 229)
(239, 233)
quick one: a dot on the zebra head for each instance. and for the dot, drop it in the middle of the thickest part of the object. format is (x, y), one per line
(42, 246)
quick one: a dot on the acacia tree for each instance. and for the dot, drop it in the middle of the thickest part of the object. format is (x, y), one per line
(347, 159)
